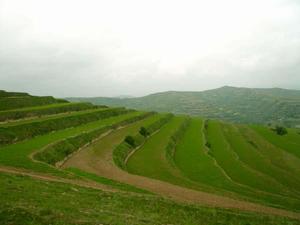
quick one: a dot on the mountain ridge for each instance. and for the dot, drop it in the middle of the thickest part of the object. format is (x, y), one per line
(234, 104)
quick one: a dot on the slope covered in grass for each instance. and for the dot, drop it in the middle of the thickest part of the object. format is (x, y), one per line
(243, 105)
(14, 100)
(289, 142)
(27, 201)
(17, 155)
(150, 159)
(39, 111)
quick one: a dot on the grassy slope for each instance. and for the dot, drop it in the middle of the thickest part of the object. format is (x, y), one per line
(289, 142)
(42, 111)
(18, 154)
(106, 181)
(265, 188)
(109, 142)
(26, 201)
(250, 154)
(55, 116)
(150, 160)
(277, 156)
(192, 159)
(244, 105)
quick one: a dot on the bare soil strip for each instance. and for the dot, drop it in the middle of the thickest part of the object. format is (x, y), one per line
(47, 177)
(100, 162)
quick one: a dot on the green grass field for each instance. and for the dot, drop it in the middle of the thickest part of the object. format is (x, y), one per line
(150, 160)
(249, 163)
(17, 155)
(289, 142)
(27, 201)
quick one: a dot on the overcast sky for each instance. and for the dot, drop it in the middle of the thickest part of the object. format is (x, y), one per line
(136, 47)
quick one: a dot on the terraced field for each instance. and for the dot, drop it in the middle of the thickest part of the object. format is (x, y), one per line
(75, 163)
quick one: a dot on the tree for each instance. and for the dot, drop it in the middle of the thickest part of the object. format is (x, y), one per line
(130, 140)
(144, 132)
(280, 130)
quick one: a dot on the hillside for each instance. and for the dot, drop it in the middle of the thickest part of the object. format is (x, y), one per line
(65, 163)
(241, 105)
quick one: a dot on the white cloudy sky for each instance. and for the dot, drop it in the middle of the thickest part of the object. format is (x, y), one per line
(136, 47)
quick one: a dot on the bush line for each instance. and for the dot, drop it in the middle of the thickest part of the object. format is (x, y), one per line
(58, 151)
(8, 103)
(60, 108)
(126, 147)
(12, 134)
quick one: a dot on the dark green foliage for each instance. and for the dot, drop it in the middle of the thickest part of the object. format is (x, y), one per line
(207, 144)
(60, 150)
(280, 130)
(27, 101)
(40, 111)
(5, 94)
(130, 140)
(122, 151)
(158, 124)
(143, 131)
(20, 132)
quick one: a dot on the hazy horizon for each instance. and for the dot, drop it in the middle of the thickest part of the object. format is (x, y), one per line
(114, 48)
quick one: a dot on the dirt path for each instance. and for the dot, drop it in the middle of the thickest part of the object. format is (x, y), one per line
(47, 177)
(97, 159)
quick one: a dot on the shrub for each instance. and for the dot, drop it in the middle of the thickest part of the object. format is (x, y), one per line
(280, 130)
(143, 131)
(121, 152)
(130, 140)
(60, 150)
(207, 144)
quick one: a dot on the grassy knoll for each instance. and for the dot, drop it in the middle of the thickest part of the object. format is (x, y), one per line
(39, 111)
(150, 160)
(17, 155)
(27, 201)
(249, 153)
(289, 142)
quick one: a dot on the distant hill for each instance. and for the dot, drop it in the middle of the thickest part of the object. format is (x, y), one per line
(243, 105)
(12, 100)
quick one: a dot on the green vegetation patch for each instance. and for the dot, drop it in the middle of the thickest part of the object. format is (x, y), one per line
(289, 142)
(27, 201)
(20, 132)
(39, 111)
(14, 102)
(122, 151)
(18, 155)
(60, 150)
